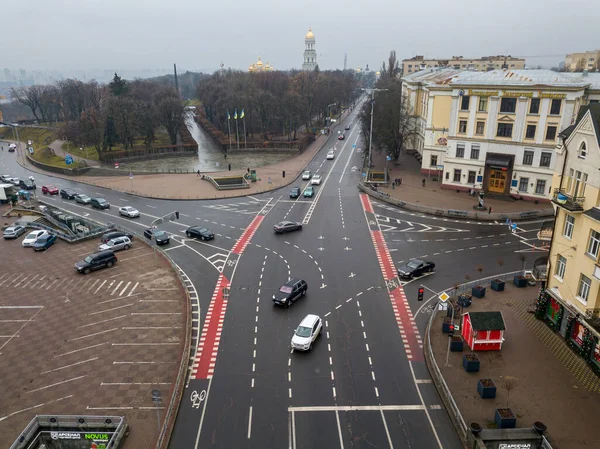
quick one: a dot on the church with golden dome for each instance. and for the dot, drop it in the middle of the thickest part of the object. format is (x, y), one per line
(259, 66)
(310, 53)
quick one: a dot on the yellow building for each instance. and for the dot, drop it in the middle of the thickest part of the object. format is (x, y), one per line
(571, 303)
(588, 60)
(259, 66)
(484, 64)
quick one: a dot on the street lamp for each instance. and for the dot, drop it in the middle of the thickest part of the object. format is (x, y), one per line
(15, 130)
(329, 113)
(373, 90)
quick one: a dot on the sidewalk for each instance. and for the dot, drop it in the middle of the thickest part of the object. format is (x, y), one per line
(432, 195)
(57, 147)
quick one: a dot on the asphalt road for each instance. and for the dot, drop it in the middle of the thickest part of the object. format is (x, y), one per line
(364, 384)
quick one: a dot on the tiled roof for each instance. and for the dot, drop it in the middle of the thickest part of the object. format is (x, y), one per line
(594, 109)
(487, 321)
(523, 77)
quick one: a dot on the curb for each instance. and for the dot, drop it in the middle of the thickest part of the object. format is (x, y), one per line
(457, 214)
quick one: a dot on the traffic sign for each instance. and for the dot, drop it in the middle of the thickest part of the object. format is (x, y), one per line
(444, 297)
(354, 146)
(68, 160)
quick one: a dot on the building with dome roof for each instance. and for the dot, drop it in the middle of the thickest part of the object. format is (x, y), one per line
(259, 66)
(310, 54)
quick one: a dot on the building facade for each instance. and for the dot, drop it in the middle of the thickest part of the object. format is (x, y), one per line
(570, 303)
(310, 52)
(484, 64)
(578, 62)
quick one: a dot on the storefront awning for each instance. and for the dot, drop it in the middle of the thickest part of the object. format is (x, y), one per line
(497, 163)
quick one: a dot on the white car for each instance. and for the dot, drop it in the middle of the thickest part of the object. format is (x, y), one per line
(116, 244)
(306, 334)
(15, 181)
(32, 237)
(316, 180)
(331, 154)
(306, 175)
(129, 211)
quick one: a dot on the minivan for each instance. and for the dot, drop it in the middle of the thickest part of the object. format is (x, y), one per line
(306, 333)
(96, 261)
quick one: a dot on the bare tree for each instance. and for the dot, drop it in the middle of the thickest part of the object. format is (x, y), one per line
(509, 383)
(392, 70)
(170, 112)
(30, 96)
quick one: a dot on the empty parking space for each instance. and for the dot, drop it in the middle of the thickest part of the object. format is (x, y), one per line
(88, 344)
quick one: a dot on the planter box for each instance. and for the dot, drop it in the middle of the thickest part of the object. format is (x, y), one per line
(446, 325)
(486, 388)
(520, 281)
(498, 285)
(505, 418)
(464, 301)
(456, 344)
(478, 291)
(471, 363)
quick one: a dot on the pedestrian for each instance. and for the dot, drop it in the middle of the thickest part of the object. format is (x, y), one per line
(248, 170)
(198, 173)
(229, 167)
(490, 210)
(423, 182)
(225, 154)
(400, 182)
(393, 185)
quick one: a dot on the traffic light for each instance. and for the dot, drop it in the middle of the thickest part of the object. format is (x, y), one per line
(451, 330)
(421, 293)
(177, 215)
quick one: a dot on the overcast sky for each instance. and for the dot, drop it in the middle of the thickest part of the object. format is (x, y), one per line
(198, 35)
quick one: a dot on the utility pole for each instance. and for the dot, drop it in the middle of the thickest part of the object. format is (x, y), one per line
(345, 61)
(371, 131)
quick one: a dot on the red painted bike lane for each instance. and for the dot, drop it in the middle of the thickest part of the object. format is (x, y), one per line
(411, 338)
(208, 344)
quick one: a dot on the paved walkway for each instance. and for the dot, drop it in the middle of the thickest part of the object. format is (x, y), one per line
(432, 195)
(554, 384)
(57, 146)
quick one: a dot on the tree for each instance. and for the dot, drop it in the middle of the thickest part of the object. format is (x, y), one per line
(118, 86)
(170, 112)
(392, 70)
(30, 96)
(509, 383)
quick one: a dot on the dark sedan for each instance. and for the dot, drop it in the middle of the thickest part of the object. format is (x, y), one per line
(68, 194)
(27, 185)
(44, 242)
(199, 233)
(160, 236)
(415, 268)
(287, 226)
(295, 192)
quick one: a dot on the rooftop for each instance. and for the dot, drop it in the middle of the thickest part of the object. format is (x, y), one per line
(487, 321)
(592, 78)
(433, 76)
(520, 78)
(460, 58)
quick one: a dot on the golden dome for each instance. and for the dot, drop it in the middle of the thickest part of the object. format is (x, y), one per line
(310, 34)
(259, 63)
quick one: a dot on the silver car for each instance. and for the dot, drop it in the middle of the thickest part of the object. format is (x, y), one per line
(128, 211)
(306, 334)
(13, 232)
(81, 198)
(116, 244)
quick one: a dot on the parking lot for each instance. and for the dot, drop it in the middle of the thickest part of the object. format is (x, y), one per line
(93, 344)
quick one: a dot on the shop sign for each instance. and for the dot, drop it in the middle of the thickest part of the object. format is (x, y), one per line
(550, 95)
(97, 437)
(517, 94)
(482, 93)
(65, 435)
(553, 310)
(578, 331)
(514, 446)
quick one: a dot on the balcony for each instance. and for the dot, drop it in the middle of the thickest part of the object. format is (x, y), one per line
(567, 201)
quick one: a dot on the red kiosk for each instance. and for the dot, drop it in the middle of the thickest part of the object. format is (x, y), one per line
(483, 331)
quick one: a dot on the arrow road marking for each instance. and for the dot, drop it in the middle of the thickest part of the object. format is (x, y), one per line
(351, 275)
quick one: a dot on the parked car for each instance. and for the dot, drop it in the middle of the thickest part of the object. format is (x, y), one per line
(347, 127)
(128, 211)
(160, 236)
(30, 239)
(50, 190)
(341, 137)
(415, 267)
(331, 155)
(290, 292)
(306, 175)
(15, 181)
(307, 333)
(68, 194)
(199, 233)
(309, 192)
(27, 185)
(287, 226)
(99, 203)
(82, 198)
(44, 242)
(13, 232)
(116, 244)
(96, 261)
(114, 234)
(295, 192)
(5, 178)
(12, 148)
(316, 180)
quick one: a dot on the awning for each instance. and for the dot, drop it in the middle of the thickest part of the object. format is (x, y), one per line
(497, 163)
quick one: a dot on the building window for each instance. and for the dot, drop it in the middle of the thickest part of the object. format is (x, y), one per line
(460, 150)
(457, 175)
(540, 186)
(582, 150)
(464, 103)
(551, 133)
(583, 291)
(508, 105)
(523, 184)
(569, 225)
(447, 175)
(471, 179)
(561, 267)
(528, 157)
(479, 129)
(483, 101)
(462, 127)
(594, 244)
(433, 162)
(530, 132)
(475, 151)
(505, 129)
(534, 106)
(545, 159)
(555, 106)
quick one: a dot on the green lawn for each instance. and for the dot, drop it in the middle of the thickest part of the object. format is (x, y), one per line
(40, 136)
(45, 156)
(88, 152)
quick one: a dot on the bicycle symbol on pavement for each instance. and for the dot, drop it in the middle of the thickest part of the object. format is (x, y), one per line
(231, 263)
(372, 222)
(391, 284)
(197, 398)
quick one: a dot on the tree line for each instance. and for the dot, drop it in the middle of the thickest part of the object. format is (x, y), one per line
(104, 116)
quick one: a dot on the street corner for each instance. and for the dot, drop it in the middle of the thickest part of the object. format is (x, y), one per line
(90, 344)
(501, 357)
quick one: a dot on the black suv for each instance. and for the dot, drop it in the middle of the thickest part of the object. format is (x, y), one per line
(115, 234)
(27, 185)
(99, 203)
(68, 194)
(160, 236)
(295, 192)
(96, 261)
(200, 233)
(290, 292)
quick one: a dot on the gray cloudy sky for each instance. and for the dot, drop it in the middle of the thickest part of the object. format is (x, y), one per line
(136, 34)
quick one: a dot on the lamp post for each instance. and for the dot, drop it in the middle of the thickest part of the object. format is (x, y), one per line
(329, 113)
(371, 131)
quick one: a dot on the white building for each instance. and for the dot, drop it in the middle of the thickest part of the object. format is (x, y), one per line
(310, 53)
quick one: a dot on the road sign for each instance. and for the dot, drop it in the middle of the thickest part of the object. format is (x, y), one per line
(68, 160)
(444, 297)
(130, 175)
(389, 158)
(354, 146)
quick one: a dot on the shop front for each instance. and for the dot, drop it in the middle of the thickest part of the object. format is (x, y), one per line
(498, 172)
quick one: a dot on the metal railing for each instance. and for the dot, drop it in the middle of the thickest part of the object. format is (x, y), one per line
(567, 200)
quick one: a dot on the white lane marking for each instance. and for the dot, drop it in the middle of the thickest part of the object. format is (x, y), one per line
(250, 423)
(337, 419)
